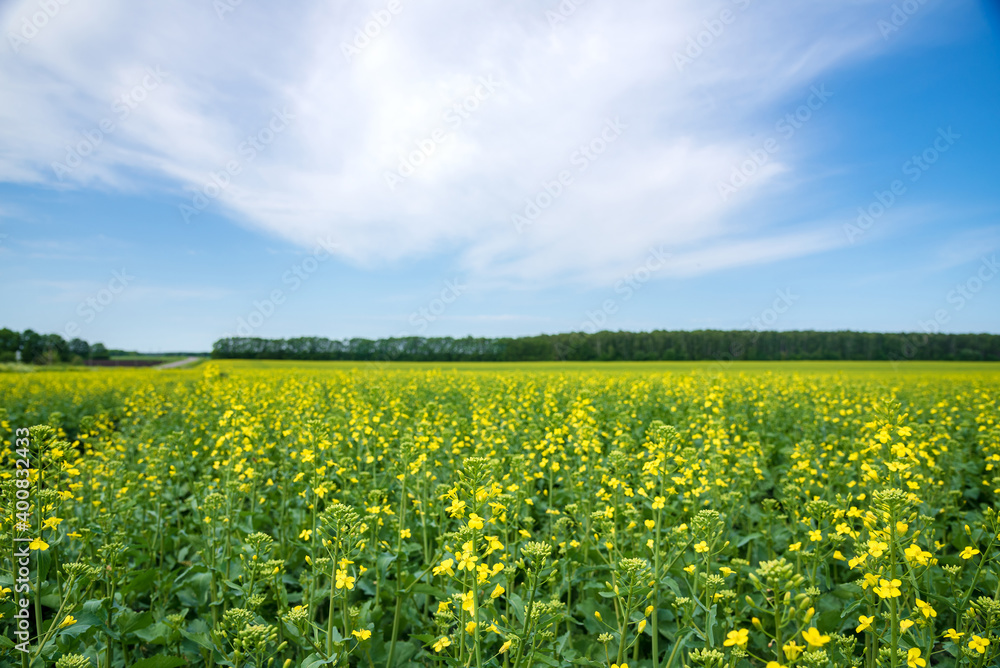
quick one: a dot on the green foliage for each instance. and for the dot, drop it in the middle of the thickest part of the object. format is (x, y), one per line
(371, 516)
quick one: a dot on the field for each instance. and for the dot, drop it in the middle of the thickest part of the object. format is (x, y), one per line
(629, 514)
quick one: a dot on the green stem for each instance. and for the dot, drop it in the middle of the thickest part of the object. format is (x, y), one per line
(893, 611)
(656, 590)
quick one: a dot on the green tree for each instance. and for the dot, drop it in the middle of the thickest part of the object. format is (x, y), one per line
(31, 346)
(10, 342)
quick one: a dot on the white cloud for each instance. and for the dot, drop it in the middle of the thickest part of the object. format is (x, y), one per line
(324, 174)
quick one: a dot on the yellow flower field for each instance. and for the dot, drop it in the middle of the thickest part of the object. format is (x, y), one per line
(500, 515)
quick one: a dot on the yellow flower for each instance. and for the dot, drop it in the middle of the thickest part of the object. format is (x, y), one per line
(979, 644)
(792, 650)
(38, 544)
(444, 567)
(306, 534)
(701, 547)
(917, 555)
(738, 638)
(689, 569)
(467, 602)
(814, 638)
(865, 623)
(925, 609)
(442, 642)
(456, 509)
(795, 547)
(773, 664)
(905, 624)
(969, 552)
(504, 647)
(495, 545)
(69, 621)
(877, 548)
(641, 627)
(649, 524)
(658, 502)
(498, 592)
(344, 581)
(887, 589)
(953, 634)
(363, 634)
(913, 659)
(649, 610)
(816, 536)
(470, 627)
(467, 561)
(475, 521)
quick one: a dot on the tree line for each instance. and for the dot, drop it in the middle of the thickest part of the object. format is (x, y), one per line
(627, 346)
(31, 347)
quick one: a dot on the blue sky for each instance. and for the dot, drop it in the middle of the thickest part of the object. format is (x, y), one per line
(171, 174)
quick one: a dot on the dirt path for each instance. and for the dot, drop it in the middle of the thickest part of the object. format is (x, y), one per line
(174, 365)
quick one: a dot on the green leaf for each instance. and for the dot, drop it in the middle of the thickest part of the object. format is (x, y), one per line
(424, 588)
(200, 639)
(851, 608)
(140, 580)
(314, 660)
(160, 662)
(132, 622)
(156, 634)
(403, 652)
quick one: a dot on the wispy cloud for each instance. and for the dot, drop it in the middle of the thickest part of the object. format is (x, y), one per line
(352, 120)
